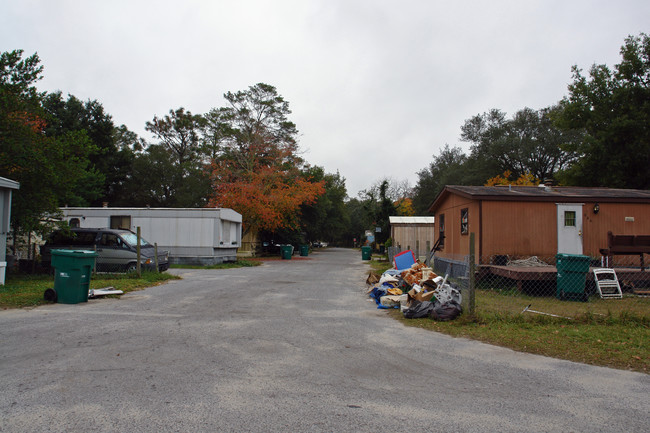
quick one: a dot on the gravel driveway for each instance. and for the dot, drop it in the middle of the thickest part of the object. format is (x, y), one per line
(293, 345)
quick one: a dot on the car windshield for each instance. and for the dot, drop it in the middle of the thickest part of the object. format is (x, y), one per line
(132, 240)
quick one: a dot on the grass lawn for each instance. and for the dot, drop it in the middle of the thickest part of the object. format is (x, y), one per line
(612, 332)
(22, 291)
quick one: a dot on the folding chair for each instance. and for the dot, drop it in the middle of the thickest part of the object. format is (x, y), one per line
(607, 283)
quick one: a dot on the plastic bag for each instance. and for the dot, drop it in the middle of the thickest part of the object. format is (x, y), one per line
(419, 310)
(445, 312)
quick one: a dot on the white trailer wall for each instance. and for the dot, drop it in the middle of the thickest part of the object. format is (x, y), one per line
(197, 236)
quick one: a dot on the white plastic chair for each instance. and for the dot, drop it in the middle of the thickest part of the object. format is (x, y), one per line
(607, 283)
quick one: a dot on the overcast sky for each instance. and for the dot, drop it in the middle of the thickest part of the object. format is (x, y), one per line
(376, 87)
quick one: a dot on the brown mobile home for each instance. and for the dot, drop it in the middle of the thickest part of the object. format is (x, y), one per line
(524, 221)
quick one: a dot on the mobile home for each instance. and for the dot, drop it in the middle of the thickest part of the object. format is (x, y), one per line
(544, 220)
(201, 236)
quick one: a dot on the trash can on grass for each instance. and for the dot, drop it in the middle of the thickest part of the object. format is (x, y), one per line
(572, 272)
(304, 250)
(286, 251)
(72, 271)
(366, 253)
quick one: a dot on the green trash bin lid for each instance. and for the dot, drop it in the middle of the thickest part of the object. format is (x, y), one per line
(74, 253)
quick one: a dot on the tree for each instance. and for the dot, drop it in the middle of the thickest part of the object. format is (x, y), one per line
(404, 207)
(50, 169)
(384, 212)
(612, 108)
(185, 180)
(256, 169)
(379, 207)
(448, 168)
(110, 160)
(360, 220)
(527, 143)
(397, 190)
(327, 218)
(525, 179)
(180, 133)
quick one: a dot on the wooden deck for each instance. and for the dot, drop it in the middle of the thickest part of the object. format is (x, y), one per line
(548, 275)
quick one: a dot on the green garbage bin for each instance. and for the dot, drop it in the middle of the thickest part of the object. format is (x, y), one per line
(286, 251)
(366, 253)
(572, 272)
(72, 271)
(304, 250)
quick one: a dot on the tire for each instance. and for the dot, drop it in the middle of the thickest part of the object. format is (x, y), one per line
(131, 268)
(50, 295)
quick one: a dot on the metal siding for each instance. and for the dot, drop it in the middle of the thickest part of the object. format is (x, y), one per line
(184, 232)
(529, 228)
(611, 217)
(519, 228)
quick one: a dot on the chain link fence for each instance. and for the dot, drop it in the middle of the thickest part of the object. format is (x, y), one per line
(502, 280)
(562, 276)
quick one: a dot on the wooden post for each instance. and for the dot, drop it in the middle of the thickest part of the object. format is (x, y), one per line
(138, 265)
(472, 274)
(155, 253)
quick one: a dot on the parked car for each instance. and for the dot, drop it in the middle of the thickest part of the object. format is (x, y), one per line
(116, 249)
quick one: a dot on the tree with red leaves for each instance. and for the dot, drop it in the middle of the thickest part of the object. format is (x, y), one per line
(256, 169)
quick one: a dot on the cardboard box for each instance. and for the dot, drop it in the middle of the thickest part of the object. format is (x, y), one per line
(420, 296)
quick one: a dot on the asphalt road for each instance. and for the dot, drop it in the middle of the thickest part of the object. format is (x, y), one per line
(294, 345)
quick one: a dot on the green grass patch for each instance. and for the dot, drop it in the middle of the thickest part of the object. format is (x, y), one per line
(610, 333)
(605, 332)
(228, 265)
(380, 265)
(22, 291)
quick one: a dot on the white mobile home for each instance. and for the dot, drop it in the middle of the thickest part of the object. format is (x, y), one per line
(6, 187)
(202, 236)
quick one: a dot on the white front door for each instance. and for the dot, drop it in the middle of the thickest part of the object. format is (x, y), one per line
(569, 228)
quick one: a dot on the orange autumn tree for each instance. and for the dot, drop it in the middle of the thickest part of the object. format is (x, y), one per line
(525, 179)
(405, 207)
(256, 169)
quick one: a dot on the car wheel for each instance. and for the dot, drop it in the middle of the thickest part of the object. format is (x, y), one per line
(131, 267)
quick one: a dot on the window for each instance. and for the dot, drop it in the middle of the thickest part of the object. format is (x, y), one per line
(74, 239)
(132, 239)
(441, 230)
(569, 218)
(109, 240)
(464, 221)
(121, 222)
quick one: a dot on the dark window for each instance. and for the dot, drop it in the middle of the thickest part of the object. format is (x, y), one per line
(74, 239)
(121, 222)
(569, 218)
(441, 229)
(464, 221)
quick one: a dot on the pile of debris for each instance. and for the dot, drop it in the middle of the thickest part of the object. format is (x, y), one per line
(416, 290)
